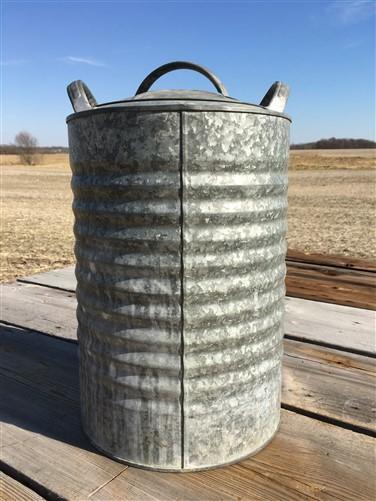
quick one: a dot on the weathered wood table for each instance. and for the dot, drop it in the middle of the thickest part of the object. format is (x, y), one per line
(325, 448)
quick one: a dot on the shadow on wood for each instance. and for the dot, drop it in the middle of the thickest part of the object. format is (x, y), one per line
(24, 405)
(44, 446)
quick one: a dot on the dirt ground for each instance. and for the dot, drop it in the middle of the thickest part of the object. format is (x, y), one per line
(333, 212)
(36, 219)
(332, 159)
(332, 209)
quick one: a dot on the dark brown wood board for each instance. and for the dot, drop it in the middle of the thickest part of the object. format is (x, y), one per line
(331, 278)
(305, 284)
(333, 260)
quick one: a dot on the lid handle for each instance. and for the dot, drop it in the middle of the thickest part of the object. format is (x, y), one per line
(276, 97)
(80, 96)
(181, 65)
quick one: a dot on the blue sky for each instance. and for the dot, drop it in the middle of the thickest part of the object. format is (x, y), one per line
(325, 50)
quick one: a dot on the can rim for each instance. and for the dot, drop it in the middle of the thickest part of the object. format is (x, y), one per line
(168, 105)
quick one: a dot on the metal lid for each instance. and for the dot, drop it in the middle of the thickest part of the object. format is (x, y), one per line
(273, 103)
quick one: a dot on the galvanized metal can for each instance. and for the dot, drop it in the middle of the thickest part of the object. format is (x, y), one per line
(180, 201)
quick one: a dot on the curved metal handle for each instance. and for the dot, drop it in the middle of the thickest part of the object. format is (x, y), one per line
(276, 97)
(80, 96)
(181, 65)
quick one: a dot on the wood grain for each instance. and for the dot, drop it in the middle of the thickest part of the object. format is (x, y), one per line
(319, 273)
(337, 325)
(11, 490)
(330, 384)
(330, 291)
(308, 459)
(39, 308)
(331, 279)
(63, 279)
(54, 312)
(315, 379)
(40, 417)
(327, 382)
(331, 260)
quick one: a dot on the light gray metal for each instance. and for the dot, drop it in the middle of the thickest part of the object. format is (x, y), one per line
(180, 245)
(276, 97)
(80, 96)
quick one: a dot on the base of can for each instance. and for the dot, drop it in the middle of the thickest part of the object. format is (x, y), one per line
(182, 470)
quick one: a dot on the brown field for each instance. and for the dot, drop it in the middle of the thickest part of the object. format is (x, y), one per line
(332, 208)
(333, 159)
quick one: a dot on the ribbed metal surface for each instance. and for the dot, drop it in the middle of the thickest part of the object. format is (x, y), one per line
(126, 183)
(180, 225)
(234, 223)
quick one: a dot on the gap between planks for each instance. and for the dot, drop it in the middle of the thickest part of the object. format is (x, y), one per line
(13, 490)
(307, 459)
(315, 379)
(335, 326)
(308, 280)
(332, 260)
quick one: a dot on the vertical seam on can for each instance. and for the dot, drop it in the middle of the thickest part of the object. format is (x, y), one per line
(181, 165)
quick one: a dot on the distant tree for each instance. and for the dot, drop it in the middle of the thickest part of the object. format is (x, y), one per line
(27, 145)
(335, 143)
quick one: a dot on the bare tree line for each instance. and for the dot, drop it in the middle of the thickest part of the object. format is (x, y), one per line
(334, 143)
(25, 145)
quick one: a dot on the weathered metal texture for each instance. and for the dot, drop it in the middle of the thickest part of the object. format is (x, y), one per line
(126, 183)
(180, 202)
(234, 224)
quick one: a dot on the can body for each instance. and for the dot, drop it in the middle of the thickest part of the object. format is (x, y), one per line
(180, 221)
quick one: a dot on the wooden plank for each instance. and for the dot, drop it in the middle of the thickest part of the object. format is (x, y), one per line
(310, 281)
(42, 439)
(331, 384)
(305, 284)
(63, 278)
(332, 260)
(304, 320)
(316, 379)
(307, 459)
(332, 324)
(39, 308)
(333, 279)
(11, 490)
(329, 273)
(53, 312)
(40, 417)
(336, 328)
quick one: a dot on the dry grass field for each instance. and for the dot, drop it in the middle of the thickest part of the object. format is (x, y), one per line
(36, 217)
(332, 159)
(332, 208)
